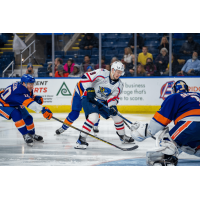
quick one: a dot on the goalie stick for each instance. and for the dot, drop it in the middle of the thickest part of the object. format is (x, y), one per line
(123, 149)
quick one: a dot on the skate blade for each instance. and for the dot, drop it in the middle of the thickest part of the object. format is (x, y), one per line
(38, 141)
(79, 148)
(29, 144)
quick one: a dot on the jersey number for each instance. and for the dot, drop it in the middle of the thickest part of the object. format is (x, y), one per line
(197, 98)
(6, 93)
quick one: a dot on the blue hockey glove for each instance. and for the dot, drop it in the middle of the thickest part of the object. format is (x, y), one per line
(113, 110)
(91, 94)
(38, 99)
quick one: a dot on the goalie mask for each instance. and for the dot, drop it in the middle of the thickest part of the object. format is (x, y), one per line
(179, 87)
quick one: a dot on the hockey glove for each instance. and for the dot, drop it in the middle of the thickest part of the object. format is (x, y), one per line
(38, 99)
(47, 113)
(113, 110)
(91, 94)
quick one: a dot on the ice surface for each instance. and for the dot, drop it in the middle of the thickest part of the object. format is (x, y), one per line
(59, 150)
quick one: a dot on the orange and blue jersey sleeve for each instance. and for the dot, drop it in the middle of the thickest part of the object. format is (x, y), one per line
(167, 111)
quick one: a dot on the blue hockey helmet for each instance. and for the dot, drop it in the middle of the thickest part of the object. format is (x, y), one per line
(26, 78)
(179, 86)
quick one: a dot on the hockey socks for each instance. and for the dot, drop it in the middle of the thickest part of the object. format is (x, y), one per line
(19, 122)
(73, 115)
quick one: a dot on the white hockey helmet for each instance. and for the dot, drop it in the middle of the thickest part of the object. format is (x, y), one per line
(117, 65)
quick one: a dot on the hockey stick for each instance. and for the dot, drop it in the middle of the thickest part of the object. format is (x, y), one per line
(123, 149)
(119, 116)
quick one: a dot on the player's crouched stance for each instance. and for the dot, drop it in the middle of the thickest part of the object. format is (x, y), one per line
(183, 108)
(12, 106)
(105, 86)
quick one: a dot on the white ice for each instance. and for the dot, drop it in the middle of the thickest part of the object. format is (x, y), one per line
(59, 150)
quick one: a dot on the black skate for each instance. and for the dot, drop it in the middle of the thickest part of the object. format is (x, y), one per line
(28, 140)
(125, 139)
(37, 138)
(59, 131)
(81, 143)
(95, 130)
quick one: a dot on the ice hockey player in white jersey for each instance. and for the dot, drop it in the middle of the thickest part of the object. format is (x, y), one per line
(183, 107)
(107, 87)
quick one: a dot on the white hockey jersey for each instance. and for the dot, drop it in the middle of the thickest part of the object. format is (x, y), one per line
(105, 88)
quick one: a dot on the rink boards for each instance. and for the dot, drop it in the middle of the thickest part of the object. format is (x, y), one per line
(140, 95)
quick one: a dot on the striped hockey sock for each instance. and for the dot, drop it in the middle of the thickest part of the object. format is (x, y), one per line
(87, 127)
(30, 125)
(120, 127)
(21, 126)
(67, 121)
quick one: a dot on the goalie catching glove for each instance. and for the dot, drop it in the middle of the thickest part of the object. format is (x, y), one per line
(47, 113)
(38, 99)
(140, 131)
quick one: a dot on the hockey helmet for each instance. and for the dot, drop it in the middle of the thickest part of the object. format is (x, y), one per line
(26, 78)
(179, 87)
(117, 65)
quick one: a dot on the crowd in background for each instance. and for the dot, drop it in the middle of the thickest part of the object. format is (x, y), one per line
(147, 65)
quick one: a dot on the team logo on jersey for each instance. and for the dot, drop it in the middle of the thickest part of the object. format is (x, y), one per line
(166, 90)
(104, 91)
(64, 90)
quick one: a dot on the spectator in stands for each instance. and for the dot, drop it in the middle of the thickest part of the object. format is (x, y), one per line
(69, 66)
(102, 63)
(76, 71)
(89, 41)
(113, 60)
(61, 72)
(141, 70)
(129, 73)
(175, 66)
(108, 67)
(58, 61)
(130, 66)
(150, 67)
(189, 46)
(142, 57)
(89, 69)
(162, 60)
(164, 43)
(140, 42)
(30, 70)
(86, 63)
(191, 66)
(127, 56)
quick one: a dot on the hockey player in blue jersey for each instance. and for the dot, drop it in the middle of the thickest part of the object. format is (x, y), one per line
(13, 101)
(76, 107)
(183, 107)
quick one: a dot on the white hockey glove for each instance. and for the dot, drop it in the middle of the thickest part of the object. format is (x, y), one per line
(139, 131)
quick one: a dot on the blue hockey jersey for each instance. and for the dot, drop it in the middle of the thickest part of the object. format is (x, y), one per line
(177, 107)
(15, 95)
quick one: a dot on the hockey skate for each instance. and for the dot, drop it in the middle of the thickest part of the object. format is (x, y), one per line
(95, 130)
(125, 139)
(37, 138)
(59, 131)
(81, 143)
(28, 140)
